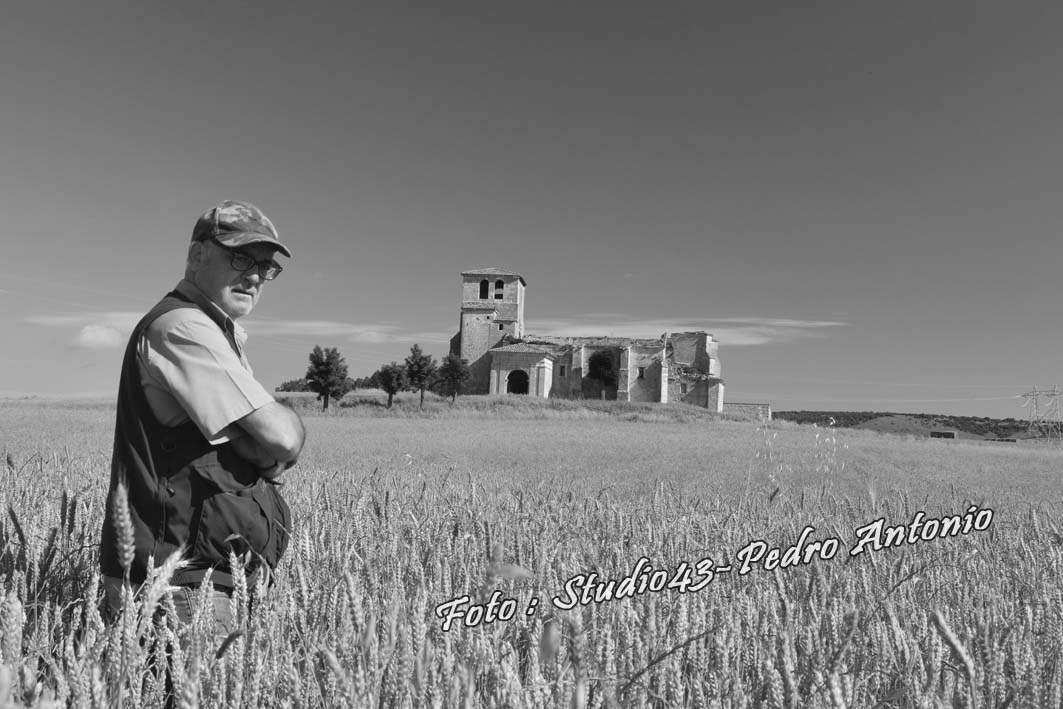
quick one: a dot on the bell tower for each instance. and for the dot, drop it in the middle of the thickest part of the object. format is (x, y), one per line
(492, 306)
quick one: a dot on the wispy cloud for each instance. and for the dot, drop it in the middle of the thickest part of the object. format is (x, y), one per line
(100, 330)
(99, 337)
(117, 319)
(731, 331)
(370, 333)
(438, 337)
(108, 329)
(354, 332)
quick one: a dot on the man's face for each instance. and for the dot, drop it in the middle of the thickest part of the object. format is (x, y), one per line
(234, 292)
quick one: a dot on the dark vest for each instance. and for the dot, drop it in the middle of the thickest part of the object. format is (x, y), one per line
(185, 492)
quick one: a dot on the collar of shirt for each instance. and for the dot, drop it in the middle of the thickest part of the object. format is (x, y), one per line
(227, 324)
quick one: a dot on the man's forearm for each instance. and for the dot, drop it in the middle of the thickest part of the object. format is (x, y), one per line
(278, 431)
(268, 466)
(289, 458)
(298, 424)
(248, 448)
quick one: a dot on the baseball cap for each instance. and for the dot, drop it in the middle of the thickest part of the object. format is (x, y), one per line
(235, 223)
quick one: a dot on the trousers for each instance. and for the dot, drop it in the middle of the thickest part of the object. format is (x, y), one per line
(185, 599)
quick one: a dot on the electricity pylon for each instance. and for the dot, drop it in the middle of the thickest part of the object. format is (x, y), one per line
(1043, 403)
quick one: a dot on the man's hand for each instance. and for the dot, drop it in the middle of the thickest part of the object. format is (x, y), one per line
(273, 474)
(247, 448)
(268, 467)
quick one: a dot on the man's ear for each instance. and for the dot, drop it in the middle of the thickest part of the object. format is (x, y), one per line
(197, 254)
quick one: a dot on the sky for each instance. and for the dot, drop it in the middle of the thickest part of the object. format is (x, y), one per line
(858, 200)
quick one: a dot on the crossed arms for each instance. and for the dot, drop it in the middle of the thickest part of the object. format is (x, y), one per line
(275, 437)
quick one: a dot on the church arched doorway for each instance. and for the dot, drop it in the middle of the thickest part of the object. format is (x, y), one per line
(517, 382)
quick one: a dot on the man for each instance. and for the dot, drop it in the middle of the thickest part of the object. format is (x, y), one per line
(199, 444)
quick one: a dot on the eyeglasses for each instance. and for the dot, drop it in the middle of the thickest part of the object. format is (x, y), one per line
(244, 262)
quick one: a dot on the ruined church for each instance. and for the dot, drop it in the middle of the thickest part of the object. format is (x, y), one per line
(504, 359)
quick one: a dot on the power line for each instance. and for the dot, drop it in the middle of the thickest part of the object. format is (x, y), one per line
(731, 392)
(899, 384)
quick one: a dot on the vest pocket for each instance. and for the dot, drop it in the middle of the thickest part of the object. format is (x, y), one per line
(280, 520)
(226, 471)
(230, 521)
(229, 515)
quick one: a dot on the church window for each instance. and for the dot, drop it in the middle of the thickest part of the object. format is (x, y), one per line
(562, 371)
(642, 372)
(501, 326)
(484, 285)
(499, 285)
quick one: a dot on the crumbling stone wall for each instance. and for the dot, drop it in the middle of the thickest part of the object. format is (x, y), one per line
(714, 397)
(707, 393)
(647, 386)
(695, 350)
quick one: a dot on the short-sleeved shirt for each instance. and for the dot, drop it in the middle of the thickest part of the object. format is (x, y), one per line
(192, 367)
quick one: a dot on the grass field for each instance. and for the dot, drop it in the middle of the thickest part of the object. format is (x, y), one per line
(396, 514)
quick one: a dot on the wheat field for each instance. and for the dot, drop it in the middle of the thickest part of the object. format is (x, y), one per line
(400, 516)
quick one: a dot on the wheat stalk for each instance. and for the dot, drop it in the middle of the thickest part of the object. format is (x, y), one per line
(123, 523)
(957, 647)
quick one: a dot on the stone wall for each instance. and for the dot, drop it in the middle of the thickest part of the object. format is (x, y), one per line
(567, 375)
(632, 386)
(518, 326)
(695, 349)
(714, 396)
(505, 310)
(478, 334)
(706, 393)
(479, 376)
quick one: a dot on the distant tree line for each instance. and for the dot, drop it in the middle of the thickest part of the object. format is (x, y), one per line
(977, 425)
(419, 372)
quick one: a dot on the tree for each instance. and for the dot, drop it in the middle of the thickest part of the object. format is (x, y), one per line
(419, 370)
(294, 385)
(369, 382)
(392, 379)
(600, 375)
(327, 374)
(600, 367)
(452, 373)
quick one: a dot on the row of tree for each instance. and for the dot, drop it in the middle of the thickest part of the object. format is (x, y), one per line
(327, 376)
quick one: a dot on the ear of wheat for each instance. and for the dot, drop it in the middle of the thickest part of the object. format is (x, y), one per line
(123, 523)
